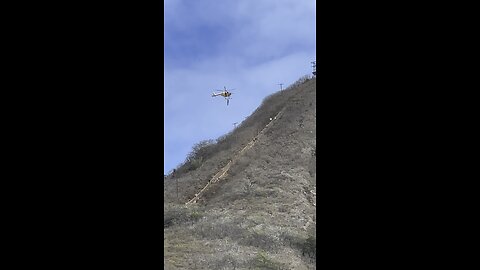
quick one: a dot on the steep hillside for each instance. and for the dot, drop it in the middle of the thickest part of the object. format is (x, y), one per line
(248, 200)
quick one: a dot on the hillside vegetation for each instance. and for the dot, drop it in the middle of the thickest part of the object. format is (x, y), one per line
(247, 199)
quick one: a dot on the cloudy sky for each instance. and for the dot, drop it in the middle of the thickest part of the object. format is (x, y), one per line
(249, 45)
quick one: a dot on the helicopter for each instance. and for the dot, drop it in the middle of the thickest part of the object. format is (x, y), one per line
(224, 93)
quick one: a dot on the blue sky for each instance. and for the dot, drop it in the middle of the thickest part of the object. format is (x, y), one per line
(249, 45)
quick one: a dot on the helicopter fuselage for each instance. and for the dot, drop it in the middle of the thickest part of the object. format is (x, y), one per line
(223, 94)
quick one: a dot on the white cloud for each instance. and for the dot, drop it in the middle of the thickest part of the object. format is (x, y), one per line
(267, 42)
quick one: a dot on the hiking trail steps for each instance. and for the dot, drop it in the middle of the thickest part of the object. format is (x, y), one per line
(223, 171)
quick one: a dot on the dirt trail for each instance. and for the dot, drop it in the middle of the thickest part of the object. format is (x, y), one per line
(223, 171)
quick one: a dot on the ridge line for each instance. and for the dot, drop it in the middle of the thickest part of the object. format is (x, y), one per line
(221, 173)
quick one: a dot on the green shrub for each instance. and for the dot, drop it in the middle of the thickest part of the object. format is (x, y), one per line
(263, 261)
(196, 215)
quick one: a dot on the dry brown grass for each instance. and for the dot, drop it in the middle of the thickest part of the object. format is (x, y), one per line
(260, 215)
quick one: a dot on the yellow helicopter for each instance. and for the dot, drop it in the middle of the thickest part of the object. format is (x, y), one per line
(224, 93)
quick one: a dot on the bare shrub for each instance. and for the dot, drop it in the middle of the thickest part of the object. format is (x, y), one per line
(200, 152)
(259, 240)
(178, 214)
(307, 247)
(263, 261)
(248, 186)
(226, 262)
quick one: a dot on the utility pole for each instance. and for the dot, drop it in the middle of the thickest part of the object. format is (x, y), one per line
(235, 124)
(281, 88)
(314, 66)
